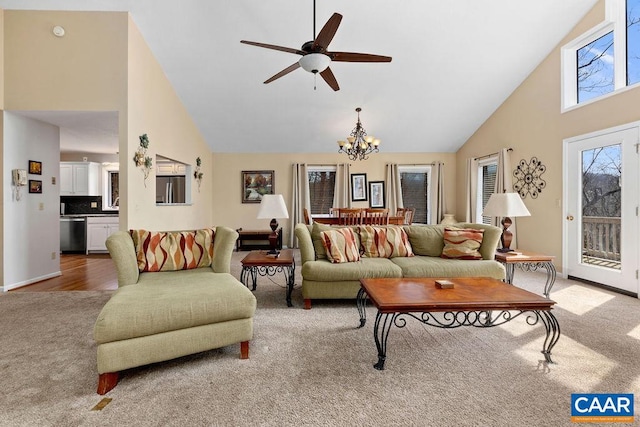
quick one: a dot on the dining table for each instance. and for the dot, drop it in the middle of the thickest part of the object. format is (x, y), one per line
(334, 220)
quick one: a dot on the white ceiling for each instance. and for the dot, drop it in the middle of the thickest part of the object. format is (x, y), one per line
(454, 62)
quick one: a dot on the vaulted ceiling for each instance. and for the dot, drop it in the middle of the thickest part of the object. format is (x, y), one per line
(454, 62)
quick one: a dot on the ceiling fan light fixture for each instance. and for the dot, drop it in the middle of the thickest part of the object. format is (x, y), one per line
(314, 62)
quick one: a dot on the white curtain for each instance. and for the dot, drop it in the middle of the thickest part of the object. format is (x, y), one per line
(504, 184)
(300, 200)
(471, 190)
(438, 202)
(393, 198)
(341, 197)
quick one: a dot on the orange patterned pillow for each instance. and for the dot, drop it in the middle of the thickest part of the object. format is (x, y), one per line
(341, 245)
(385, 242)
(462, 243)
(173, 250)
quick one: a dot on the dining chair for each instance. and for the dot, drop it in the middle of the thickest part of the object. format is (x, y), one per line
(307, 219)
(349, 216)
(407, 214)
(375, 216)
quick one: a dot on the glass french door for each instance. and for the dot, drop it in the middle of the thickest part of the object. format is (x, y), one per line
(601, 219)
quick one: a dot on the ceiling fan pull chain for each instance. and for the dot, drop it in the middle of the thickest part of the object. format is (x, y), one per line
(315, 77)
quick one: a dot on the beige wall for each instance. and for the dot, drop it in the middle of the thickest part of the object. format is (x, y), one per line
(227, 186)
(155, 109)
(531, 123)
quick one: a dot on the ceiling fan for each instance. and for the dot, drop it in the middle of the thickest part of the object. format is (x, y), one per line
(315, 56)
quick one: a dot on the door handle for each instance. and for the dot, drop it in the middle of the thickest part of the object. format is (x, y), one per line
(570, 217)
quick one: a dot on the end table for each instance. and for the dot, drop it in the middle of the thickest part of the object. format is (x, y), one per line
(528, 261)
(260, 263)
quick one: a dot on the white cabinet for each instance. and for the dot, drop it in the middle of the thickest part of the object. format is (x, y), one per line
(170, 168)
(79, 179)
(98, 229)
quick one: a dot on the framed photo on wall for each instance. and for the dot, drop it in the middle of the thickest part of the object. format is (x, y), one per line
(358, 187)
(35, 167)
(35, 186)
(255, 184)
(376, 194)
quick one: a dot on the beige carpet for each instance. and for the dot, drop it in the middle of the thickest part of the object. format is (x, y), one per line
(315, 368)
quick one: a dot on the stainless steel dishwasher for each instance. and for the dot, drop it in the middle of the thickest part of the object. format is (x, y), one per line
(73, 234)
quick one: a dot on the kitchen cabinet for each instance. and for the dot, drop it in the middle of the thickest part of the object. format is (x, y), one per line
(98, 229)
(170, 168)
(79, 179)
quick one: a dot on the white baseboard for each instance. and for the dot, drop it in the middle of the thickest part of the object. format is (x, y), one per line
(30, 281)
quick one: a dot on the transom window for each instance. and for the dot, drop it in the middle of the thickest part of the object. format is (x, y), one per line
(606, 58)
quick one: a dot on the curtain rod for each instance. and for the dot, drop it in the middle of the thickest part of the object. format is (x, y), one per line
(417, 164)
(491, 155)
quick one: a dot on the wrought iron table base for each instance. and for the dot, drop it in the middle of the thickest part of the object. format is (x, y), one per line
(455, 319)
(533, 266)
(269, 271)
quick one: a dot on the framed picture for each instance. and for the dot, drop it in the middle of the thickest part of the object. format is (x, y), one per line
(35, 186)
(35, 167)
(255, 184)
(358, 187)
(376, 194)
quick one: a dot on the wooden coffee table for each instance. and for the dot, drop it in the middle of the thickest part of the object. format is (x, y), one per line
(260, 263)
(479, 302)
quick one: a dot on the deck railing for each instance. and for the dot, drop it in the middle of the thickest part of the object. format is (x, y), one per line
(601, 237)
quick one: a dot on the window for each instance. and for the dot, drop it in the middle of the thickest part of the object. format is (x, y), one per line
(415, 182)
(606, 58)
(110, 191)
(487, 172)
(322, 184)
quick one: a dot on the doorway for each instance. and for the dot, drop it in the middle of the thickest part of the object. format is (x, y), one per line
(600, 188)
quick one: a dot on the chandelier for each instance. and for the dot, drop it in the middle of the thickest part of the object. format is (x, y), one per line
(359, 145)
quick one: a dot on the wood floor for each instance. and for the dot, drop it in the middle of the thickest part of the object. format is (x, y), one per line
(95, 272)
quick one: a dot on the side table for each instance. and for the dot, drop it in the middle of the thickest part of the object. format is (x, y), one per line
(260, 263)
(528, 261)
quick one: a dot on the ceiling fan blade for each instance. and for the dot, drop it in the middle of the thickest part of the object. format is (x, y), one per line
(274, 47)
(328, 77)
(326, 33)
(287, 70)
(357, 57)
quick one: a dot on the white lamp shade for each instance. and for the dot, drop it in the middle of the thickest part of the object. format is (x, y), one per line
(315, 62)
(272, 206)
(505, 204)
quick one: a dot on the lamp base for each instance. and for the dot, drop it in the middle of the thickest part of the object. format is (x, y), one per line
(273, 238)
(507, 236)
(503, 250)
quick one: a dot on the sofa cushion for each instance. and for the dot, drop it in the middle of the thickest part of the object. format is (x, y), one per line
(341, 245)
(325, 271)
(155, 304)
(462, 243)
(425, 266)
(384, 242)
(426, 239)
(173, 250)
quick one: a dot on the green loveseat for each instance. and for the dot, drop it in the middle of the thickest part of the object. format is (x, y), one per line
(322, 279)
(162, 315)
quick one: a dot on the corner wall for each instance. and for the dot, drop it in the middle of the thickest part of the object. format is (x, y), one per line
(531, 123)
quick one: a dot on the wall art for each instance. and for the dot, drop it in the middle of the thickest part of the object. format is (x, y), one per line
(255, 184)
(529, 178)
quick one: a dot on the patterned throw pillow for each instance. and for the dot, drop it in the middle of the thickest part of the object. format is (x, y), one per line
(462, 243)
(173, 250)
(341, 245)
(385, 242)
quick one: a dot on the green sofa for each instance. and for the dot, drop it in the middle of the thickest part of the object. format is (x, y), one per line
(322, 279)
(158, 316)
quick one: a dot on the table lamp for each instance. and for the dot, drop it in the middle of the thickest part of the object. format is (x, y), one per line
(272, 206)
(505, 205)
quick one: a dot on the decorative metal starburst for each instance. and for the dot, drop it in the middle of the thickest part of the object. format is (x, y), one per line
(528, 178)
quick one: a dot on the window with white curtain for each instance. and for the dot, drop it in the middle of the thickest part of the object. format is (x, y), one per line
(487, 173)
(322, 184)
(415, 182)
